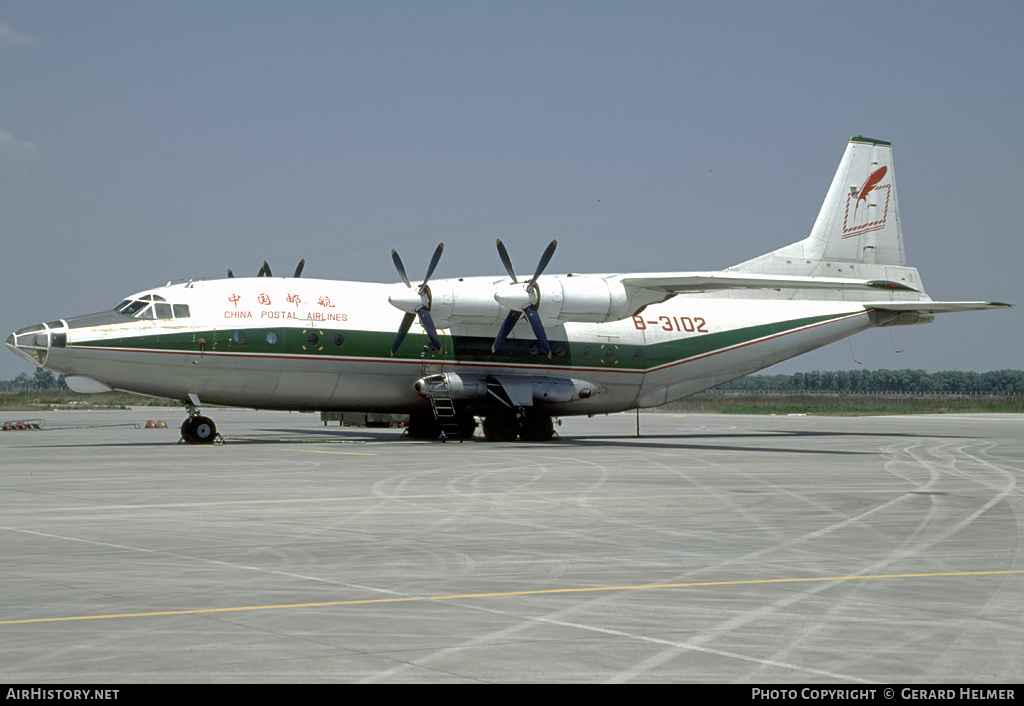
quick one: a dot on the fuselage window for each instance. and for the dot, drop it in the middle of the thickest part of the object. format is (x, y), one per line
(163, 311)
(339, 340)
(239, 337)
(271, 337)
(587, 351)
(312, 339)
(181, 311)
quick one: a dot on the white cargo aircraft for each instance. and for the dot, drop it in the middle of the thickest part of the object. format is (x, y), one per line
(588, 344)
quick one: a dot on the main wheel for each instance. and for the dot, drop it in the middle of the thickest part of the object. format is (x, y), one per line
(423, 425)
(467, 426)
(501, 427)
(537, 427)
(198, 430)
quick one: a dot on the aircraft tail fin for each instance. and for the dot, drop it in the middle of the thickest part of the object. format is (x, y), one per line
(857, 232)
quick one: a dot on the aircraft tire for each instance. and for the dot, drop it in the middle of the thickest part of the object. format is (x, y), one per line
(467, 426)
(423, 426)
(198, 430)
(501, 427)
(537, 427)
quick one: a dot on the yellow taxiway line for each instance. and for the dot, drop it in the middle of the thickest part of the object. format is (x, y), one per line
(536, 592)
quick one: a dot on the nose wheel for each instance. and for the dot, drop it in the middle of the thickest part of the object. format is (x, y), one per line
(199, 430)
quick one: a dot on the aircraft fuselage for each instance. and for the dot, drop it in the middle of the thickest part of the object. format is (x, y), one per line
(514, 351)
(307, 344)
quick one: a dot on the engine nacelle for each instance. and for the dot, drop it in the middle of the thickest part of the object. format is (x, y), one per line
(523, 391)
(465, 301)
(590, 299)
(562, 298)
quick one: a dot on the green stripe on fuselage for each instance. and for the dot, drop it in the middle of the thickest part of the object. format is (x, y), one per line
(295, 342)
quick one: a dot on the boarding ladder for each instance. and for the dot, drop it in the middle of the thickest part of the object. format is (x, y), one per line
(439, 391)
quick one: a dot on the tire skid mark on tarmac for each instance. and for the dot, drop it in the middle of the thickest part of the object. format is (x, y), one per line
(673, 648)
(980, 473)
(907, 547)
(912, 545)
(947, 461)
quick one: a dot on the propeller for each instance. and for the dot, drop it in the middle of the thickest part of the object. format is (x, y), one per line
(264, 271)
(416, 303)
(523, 301)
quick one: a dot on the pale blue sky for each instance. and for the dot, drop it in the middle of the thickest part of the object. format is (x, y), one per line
(142, 142)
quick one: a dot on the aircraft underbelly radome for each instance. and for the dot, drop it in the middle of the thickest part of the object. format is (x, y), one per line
(552, 345)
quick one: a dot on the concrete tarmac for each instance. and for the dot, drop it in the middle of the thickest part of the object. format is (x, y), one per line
(714, 548)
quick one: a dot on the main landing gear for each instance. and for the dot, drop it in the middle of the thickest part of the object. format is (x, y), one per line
(506, 426)
(425, 426)
(198, 429)
(498, 426)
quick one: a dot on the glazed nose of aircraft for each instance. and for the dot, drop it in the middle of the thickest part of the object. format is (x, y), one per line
(33, 342)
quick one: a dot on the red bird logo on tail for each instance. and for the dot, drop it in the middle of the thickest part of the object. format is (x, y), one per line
(868, 187)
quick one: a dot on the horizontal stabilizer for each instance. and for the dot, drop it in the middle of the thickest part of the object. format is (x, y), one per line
(930, 307)
(710, 281)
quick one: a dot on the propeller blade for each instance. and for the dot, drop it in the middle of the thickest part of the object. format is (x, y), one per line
(231, 274)
(423, 311)
(544, 260)
(433, 265)
(402, 330)
(265, 270)
(514, 301)
(400, 267)
(428, 325)
(506, 261)
(506, 328)
(298, 268)
(538, 329)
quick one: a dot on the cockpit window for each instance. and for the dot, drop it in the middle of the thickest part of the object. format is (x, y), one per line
(152, 306)
(132, 308)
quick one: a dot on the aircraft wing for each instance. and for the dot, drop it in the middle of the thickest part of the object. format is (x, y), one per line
(931, 307)
(709, 281)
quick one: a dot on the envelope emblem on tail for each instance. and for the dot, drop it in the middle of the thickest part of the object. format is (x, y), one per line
(869, 213)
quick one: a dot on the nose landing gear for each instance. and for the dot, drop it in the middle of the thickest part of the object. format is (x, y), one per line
(198, 429)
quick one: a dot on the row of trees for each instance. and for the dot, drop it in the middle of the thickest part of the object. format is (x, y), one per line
(40, 380)
(997, 382)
